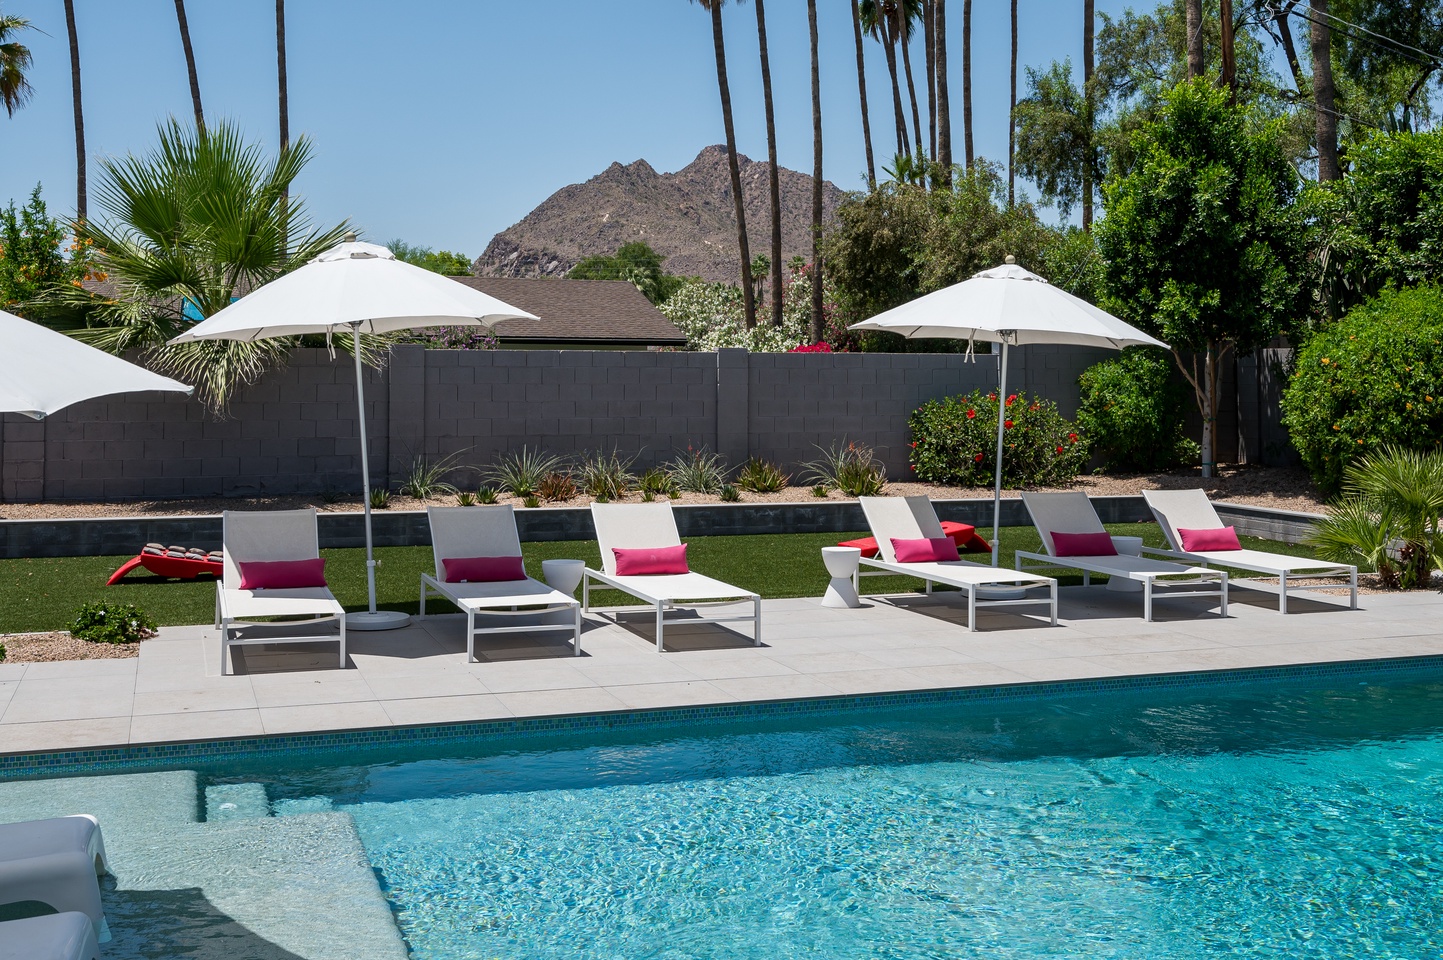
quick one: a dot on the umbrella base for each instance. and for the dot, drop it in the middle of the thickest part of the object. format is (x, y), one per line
(380, 620)
(999, 593)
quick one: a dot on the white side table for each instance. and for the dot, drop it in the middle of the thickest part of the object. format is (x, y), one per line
(1127, 547)
(563, 575)
(842, 563)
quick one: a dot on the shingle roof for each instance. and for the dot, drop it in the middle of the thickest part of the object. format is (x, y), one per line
(578, 311)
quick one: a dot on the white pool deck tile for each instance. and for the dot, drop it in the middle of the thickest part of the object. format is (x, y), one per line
(419, 675)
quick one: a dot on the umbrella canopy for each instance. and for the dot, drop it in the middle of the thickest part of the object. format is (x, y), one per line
(1008, 304)
(353, 286)
(42, 371)
(362, 288)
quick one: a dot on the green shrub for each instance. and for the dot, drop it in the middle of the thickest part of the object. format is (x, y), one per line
(520, 474)
(112, 623)
(954, 441)
(1133, 412)
(761, 476)
(605, 476)
(729, 493)
(698, 471)
(465, 499)
(2, 653)
(1372, 379)
(380, 498)
(556, 487)
(656, 481)
(486, 495)
(851, 468)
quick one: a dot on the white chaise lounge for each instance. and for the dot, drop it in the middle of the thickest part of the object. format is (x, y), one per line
(648, 526)
(461, 533)
(265, 537)
(55, 936)
(1191, 510)
(913, 518)
(55, 862)
(1073, 513)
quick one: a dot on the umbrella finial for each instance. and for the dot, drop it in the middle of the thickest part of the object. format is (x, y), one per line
(1009, 259)
(350, 237)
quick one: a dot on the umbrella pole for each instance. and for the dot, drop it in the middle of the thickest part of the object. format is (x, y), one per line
(997, 485)
(371, 619)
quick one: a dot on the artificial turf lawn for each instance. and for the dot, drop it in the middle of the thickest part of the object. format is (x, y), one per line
(43, 594)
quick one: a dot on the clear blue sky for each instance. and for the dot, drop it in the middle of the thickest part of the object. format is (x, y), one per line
(441, 122)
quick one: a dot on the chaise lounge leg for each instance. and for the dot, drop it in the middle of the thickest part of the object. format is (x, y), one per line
(971, 607)
(576, 637)
(1147, 600)
(1353, 590)
(225, 649)
(421, 612)
(660, 648)
(343, 641)
(470, 635)
(1283, 594)
(1225, 596)
(757, 621)
(1054, 601)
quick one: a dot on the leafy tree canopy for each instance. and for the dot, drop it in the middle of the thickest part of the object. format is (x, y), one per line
(635, 263)
(33, 265)
(445, 262)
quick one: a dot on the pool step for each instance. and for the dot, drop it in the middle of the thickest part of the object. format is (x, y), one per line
(236, 801)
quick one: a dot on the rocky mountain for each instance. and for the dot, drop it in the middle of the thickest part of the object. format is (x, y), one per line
(686, 216)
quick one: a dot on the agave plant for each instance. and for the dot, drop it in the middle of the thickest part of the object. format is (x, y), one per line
(697, 471)
(1389, 519)
(423, 480)
(521, 474)
(761, 476)
(185, 230)
(849, 467)
(605, 476)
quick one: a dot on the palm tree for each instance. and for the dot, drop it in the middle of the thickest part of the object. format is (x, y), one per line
(876, 20)
(1088, 68)
(1324, 96)
(816, 176)
(15, 59)
(190, 226)
(905, 14)
(1193, 22)
(862, 93)
(967, 82)
(1012, 118)
(749, 302)
(80, 200)
(929, 44)
(773, 179)
(282, 89)
(190, 64)
(944, 117)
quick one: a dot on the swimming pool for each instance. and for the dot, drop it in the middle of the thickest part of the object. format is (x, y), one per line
(1275, 820)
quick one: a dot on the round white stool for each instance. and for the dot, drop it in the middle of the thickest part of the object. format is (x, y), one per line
(1127, 547)
(842, 563)
(563, 575)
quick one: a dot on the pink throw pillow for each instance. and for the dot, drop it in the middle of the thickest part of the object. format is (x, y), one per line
(282, 574)
(1083, 545)
(483, 569)
(926, 550)
(1214, 538)
(654, 562)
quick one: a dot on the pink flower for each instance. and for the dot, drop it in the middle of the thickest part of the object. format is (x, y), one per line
(1007, 424)
(977, 459)
(971, 414)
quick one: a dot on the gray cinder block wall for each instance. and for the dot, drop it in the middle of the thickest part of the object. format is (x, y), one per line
(295, 430)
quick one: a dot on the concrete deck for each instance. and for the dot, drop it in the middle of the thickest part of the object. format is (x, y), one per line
(174, 691)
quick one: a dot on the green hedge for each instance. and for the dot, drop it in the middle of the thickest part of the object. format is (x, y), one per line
(954, 441)
(1133, 411)
(1371, 379)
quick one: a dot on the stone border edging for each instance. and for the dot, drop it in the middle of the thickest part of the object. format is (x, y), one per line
(119, 536)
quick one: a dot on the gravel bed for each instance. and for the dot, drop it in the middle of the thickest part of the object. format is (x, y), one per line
(60, 645)
(1276, 487)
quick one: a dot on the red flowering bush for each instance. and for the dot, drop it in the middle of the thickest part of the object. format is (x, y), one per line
(954, 441)
(820, 346)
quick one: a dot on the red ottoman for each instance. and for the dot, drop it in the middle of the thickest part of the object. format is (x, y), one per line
(962, 534)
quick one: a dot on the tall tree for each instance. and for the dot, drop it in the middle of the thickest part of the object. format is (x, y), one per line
(190, 64)
(1012, 118)
(1324, 96)
(944, 118)
(1280, 11)
(905, 13)
(1227, 62)
(862, 95)
(816, 176)
(749, 302)
(774, 190)
(1089, 120)
(80, 163)
(876, 20)
(967, 82)
(15, 59)
(929, 40)
(1194, 25)
(284, 109)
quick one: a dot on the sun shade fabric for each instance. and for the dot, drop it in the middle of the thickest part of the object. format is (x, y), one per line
(651, 561)
(925, 550)
(353, 283)
(483, 569)
(42, 371)
(1212, 538)
(282, 574)
(1082, 545)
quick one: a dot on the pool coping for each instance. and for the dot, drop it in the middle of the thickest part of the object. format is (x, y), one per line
(132, 758)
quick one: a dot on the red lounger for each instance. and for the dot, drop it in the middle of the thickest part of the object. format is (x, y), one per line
(173, 562)
(962, 534)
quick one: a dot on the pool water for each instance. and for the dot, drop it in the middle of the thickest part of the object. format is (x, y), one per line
(1274, 822)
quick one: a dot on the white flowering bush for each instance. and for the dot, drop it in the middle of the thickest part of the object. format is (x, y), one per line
(711, 316)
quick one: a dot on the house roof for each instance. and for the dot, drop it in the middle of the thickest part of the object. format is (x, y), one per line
(572, 311)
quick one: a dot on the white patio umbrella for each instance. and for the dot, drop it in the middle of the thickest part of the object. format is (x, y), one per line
(360, 288)
(42, 371)
(1010, 306)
